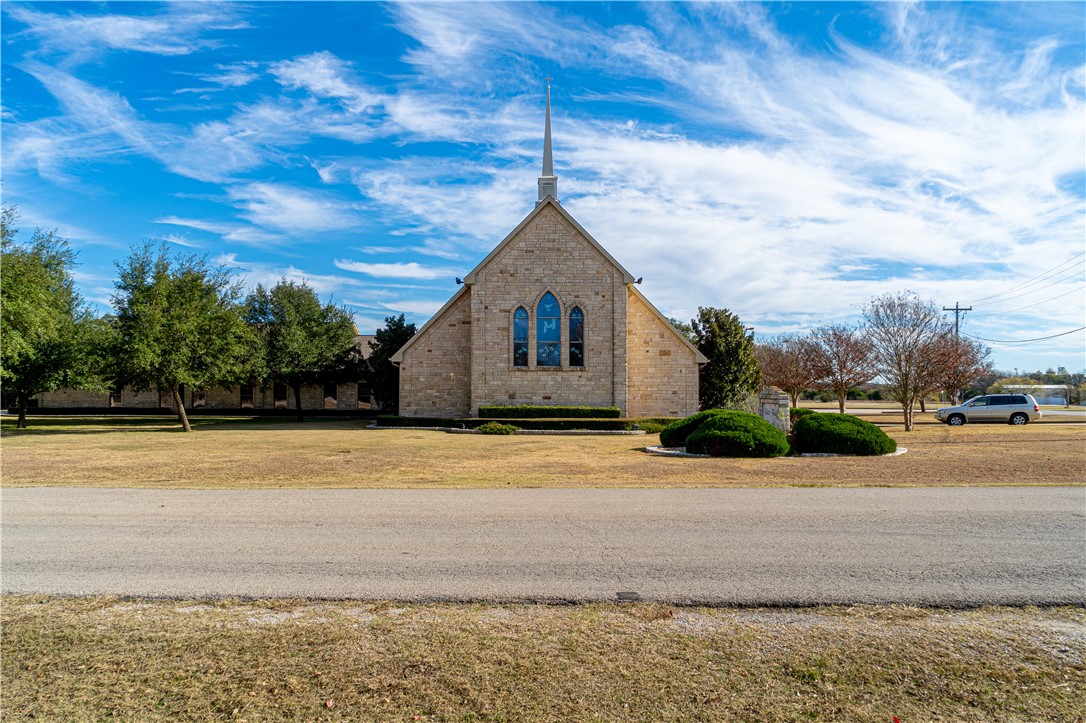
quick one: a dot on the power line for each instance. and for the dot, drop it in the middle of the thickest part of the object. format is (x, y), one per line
(1029, 281)
(1024, 341)
(1030, 306)
(1055, 282)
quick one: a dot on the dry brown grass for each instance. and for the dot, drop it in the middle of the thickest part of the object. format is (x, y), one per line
(329, 454)
(98, 658)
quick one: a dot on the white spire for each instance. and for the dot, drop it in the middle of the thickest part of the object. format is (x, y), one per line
(548, 182)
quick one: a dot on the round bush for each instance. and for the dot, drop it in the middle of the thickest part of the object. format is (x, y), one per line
(737, 434)
(497, 428)
(840, 434)
(675, 434)
(797, 413)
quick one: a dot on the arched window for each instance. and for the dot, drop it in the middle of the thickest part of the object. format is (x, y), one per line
(548, 334)
(520, 337)
(576, 337)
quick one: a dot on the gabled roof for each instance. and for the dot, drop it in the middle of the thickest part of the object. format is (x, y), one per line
(701, 358)
(398, 356)
(548, 202)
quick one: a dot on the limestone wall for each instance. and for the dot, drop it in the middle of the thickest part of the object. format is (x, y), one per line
(548, 254)
(662, 371)
(435, 374)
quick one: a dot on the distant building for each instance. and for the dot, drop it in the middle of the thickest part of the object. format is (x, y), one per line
(548, 317)
(1043, 393)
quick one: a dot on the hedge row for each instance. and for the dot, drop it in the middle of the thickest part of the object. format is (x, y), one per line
(595, 425)
(533, 411)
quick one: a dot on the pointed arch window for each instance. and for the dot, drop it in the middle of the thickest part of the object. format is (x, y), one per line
(548, 332)
(520, 337)
(576, 337)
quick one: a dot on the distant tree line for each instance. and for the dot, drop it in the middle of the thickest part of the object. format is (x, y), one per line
(177, 321)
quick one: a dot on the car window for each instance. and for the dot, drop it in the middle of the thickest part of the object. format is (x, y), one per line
(1018, 399)
(980, 402)
(999, 401)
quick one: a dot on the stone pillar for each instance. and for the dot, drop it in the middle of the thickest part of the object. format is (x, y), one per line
(773, 408)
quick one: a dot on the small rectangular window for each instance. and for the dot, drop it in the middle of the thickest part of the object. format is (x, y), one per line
(364, 397)
(115, 398)
(199, 398)
(576, 338)
(245, 400)
(330, 397)
(165, 399)
(279, 395)
(520, 338)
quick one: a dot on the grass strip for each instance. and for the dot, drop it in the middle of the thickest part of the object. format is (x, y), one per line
(77, 659)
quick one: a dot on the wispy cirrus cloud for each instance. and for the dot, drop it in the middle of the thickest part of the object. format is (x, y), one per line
(179, 30)
(411, 270)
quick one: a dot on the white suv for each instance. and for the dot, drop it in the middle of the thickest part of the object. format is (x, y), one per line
(1009, 408)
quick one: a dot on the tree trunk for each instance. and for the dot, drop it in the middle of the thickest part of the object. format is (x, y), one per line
(20, 401)
(922, 407)
(794, 399)
(841, 401)
(298, 400)
(180, 404)
(907, 408)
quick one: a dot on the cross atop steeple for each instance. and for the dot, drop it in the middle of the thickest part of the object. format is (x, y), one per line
(548, 182)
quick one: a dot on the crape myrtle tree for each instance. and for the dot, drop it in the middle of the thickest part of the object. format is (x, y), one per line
(301, 340)
(732, 373)
(786, 362)
(178, 322)
(382, 376)
(966, 363)
(908, 338)
(842, 357)
(48, 338)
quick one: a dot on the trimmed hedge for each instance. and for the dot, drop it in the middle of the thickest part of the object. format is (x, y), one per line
(538, 411)
(737, 434)
(497, 428)
(675, 434)
(840, 434)
(620, 425)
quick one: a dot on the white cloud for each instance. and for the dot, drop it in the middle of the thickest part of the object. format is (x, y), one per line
(409, 270)
(290, 209)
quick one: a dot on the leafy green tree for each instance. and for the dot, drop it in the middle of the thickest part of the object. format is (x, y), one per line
(732, 373)
(179, 322)
(381, 374)
(48, 338)
(301, 341)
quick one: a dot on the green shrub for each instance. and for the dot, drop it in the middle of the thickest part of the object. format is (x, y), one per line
(840, 434)
(737, 434)
(497, 428)
(797, 413)
(531, 411)
(675, 434)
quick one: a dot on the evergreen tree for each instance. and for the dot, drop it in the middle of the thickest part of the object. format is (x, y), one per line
(732, 373)
(301, 341)
(382, 375)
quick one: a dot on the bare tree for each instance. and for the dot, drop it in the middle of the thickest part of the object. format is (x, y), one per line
(966, 362)
(842, 357)
(907, 336)
(786, 364)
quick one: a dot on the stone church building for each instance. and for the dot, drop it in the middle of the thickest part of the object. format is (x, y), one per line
(548, 317)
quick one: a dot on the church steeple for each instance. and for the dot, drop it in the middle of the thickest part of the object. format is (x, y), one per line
(548, 182)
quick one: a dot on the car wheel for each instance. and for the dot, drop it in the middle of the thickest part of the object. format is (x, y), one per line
(955, 420)
(1019, 419)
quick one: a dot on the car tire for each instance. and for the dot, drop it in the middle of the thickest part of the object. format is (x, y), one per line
(1019, 419)
(955, 420)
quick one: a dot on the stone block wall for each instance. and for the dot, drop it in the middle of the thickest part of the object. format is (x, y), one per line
(663, 372)
(435, 374)
(548, 255)
(773, 407)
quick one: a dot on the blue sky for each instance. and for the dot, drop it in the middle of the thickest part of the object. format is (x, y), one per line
(786, 161)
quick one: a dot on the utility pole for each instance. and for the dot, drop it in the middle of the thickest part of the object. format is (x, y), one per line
(957, 310)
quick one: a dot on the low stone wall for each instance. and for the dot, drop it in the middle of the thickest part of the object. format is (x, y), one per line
(773, 407)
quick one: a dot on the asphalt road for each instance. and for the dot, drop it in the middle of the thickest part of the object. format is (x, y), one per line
(945, 547)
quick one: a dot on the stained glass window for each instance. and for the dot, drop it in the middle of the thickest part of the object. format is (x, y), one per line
(548, 335)
(576, 338)
(520, 337)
